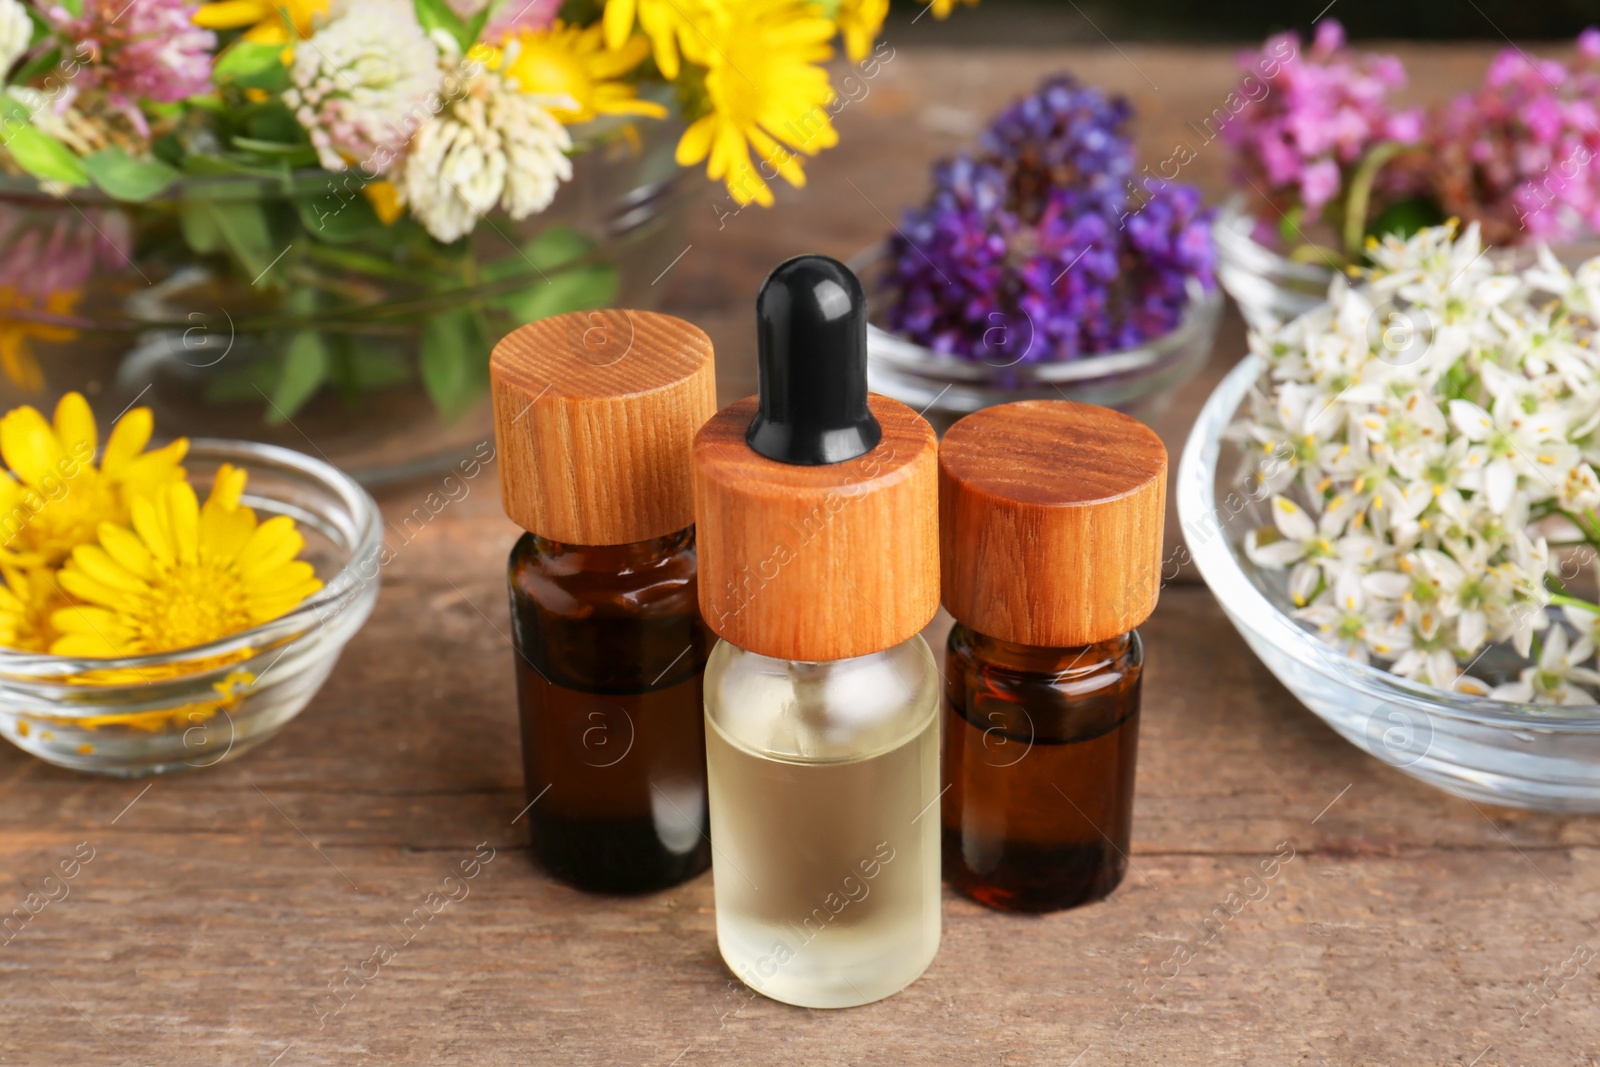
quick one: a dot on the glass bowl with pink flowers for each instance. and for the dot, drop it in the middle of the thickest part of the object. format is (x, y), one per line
(1329, 157)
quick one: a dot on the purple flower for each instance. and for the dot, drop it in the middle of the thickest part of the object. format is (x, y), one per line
(1040, 248)
(148, 51)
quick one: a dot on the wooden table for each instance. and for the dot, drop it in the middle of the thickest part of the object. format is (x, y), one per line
(1408, 928)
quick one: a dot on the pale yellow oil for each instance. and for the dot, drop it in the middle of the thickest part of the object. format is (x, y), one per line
(824, 825)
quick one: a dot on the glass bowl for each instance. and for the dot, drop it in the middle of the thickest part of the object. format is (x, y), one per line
(199, 706)
(1138, 382)
(1268, 286)
(1529, 756)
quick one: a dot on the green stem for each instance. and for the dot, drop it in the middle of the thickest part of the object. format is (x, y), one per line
(1359, 197)
(1563, 600)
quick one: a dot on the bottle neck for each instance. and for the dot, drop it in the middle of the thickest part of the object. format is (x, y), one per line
(611, 559)
(1031, 659)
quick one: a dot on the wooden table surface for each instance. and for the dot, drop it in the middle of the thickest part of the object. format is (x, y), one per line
(1408, 927)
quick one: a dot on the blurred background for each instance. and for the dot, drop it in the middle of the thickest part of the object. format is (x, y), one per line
(1042, 22)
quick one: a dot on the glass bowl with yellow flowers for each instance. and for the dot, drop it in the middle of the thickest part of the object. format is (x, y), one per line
(168, 608)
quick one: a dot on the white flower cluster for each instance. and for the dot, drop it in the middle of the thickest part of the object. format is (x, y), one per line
(457, 139)
(360, 78)
(1429, 439)
(492, 145)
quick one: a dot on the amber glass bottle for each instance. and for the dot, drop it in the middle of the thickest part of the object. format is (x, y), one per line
(1039, 749)
(611, 652)
(595, 414)
(1050, 524)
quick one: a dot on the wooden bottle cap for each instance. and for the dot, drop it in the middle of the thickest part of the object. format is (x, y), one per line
(595, 413)
(820, 562)
(1050, 520)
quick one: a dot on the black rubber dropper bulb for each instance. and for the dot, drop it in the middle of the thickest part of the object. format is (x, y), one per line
(811, 318)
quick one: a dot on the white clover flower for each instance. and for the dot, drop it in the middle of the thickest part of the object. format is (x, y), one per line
(16, 31)
(1429, 438)
(492, 146)
(364, 82)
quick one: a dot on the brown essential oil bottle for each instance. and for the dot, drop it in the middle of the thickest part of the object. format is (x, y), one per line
(1050, 519)
(595, 413)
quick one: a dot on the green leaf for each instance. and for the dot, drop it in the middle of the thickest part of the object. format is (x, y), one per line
(1406, 217)
(243, 226)
(272, 120)
(253, 65)
(35, 151)
(305, 367)
(199, 225)
(296, 155)
(574, 289)
(436, 15)
(370, 367)
(126, 178)
(339, 215)
(455, 360)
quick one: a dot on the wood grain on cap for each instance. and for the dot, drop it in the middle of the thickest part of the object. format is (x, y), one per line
(1050, 518)
(822, 562)
(595, 413)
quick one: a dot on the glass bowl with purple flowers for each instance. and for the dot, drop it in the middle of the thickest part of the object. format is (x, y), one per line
(1040, 268)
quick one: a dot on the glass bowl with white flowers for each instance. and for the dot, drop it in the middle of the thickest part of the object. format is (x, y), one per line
(1394, 499)
(165, 608)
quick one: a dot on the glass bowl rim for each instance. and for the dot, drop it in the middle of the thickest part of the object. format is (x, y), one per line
(1241, 600)
(1231, 233)
(337, 592)
(893, 351)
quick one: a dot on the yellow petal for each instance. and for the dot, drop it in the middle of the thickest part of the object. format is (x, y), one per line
(696, 141)
(29, 446)
(183, 518)
(227, 487)
(619, 24)
(231, 14)
(75, 428)
(149, 525)
(96, 563)
(274, 543)
(124, 546)
(128, 438)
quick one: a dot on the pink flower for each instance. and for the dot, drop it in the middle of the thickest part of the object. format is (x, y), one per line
(1319, 184)
(1521, 155)
(1323, 110)
(147, 51)
(511, 17)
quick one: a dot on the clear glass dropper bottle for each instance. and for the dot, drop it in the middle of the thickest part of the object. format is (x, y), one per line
(817, 512)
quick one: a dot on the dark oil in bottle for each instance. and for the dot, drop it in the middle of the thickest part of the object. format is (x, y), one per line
(611, 651)
(1039, 753)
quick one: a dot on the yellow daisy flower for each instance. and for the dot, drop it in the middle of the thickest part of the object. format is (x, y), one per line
(572, 62)
(673, 27)
(27, 599)
(859, 24)
(182, 576)
(764, 87)
(55, 497)
(942, 8)
(269, 22)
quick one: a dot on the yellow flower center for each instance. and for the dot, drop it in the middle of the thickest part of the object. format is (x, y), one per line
(191, 604)
(68, 516)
